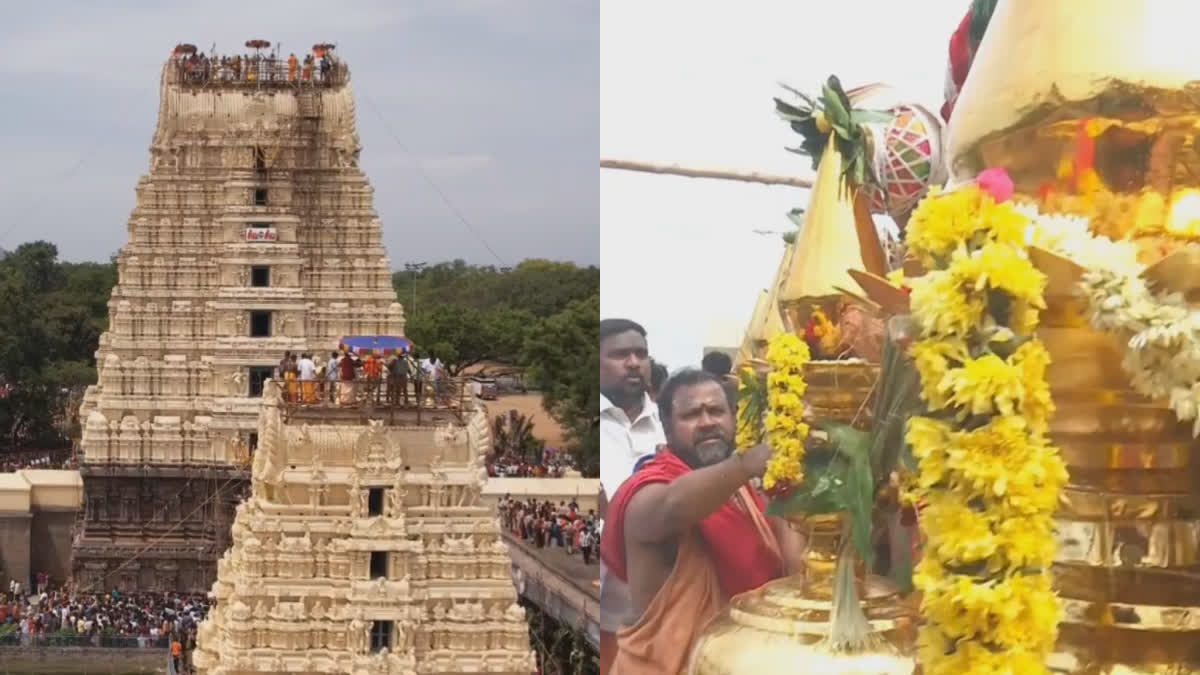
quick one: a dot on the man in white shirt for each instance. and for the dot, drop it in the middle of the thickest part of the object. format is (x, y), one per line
(629, 430)
(308, 375)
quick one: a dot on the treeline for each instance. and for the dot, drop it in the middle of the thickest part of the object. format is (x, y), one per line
(51, 316)
(540, 316)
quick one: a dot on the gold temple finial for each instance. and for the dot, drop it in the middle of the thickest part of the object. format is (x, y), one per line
(826, 248)
(1071, 55)
(753, 329)
(772, 323)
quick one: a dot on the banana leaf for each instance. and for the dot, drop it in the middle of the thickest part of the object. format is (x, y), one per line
(858, 493)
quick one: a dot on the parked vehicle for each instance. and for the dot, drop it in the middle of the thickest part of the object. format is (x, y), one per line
(484, 388)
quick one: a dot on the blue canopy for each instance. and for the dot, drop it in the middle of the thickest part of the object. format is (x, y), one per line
(379, 345)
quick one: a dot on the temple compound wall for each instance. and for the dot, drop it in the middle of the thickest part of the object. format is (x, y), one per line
(365, 548)
(38, 509)
(254, 233)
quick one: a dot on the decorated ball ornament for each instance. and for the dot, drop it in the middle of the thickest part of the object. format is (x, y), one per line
(907, 158)
(892, 148)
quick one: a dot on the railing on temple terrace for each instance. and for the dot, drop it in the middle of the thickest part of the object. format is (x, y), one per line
(65, 639)
(255, 73)
(375, 398)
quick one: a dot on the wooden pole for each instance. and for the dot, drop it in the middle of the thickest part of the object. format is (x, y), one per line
(716, 174)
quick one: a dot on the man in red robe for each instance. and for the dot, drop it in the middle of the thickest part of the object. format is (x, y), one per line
(700, 537)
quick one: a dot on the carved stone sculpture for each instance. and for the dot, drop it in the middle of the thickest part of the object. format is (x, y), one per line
(187, 286)
(285, 559)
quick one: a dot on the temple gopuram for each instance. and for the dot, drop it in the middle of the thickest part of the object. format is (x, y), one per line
(254, 233)
(365, 548)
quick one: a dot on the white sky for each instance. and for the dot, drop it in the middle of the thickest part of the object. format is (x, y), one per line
(691, 83)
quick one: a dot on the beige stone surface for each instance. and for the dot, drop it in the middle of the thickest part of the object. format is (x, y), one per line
(331, 500)
(173, 382)
(57, 489)
(15, 492)
(240, 177)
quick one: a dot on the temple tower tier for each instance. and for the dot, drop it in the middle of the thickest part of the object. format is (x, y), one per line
(364, 548)
(254, 233)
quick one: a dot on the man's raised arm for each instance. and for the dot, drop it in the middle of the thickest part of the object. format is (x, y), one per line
(661, 511)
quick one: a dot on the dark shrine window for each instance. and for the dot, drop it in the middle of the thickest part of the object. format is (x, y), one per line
(381, 635)
(260, 324)
(252, 442)
(260, 196)
(375, 502)
(260, 276)
(379, 564)
(258, 375)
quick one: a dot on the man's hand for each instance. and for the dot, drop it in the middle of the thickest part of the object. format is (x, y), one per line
(754, 460)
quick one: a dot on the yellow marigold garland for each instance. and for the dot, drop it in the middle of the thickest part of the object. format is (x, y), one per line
(749, 434)
(988, 477)
(785, 427)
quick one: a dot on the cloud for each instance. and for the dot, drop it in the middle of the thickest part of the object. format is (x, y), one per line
(497, 100)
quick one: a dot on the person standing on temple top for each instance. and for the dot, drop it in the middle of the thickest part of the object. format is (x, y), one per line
(292, 64)
(331, 376)
(372, 371)
(629, 430)
(687, 531)
(308, 377)
(347, 374)
(398, 379)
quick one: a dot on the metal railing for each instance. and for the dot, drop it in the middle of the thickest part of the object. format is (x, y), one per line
(378, 395)
(255, 73)
(70, 639)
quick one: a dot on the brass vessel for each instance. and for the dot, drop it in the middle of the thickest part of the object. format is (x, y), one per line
(840, 391)
(782, 626)
(1129, 530)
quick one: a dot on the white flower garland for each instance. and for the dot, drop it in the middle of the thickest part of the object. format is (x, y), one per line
(1162, 333)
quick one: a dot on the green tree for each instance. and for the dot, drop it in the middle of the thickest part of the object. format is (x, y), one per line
(512, 434)
(564, 363)
(467, 314)
(462, 336)
(51, 317)
(541, 287)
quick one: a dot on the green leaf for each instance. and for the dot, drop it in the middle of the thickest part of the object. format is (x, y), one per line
(858, 486)
(860, 117)
(835, 109)
(784, 108)
(754, 394)
(800, 95)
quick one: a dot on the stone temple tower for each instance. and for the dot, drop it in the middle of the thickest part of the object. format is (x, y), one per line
(254, 233)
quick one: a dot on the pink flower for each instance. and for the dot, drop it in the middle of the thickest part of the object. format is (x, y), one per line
(996, 183)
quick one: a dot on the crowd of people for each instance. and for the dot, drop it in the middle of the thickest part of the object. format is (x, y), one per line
(347, 378)
(317, 67)
(512, 467)
(544, 525)
(113, 619)
(37, 459)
